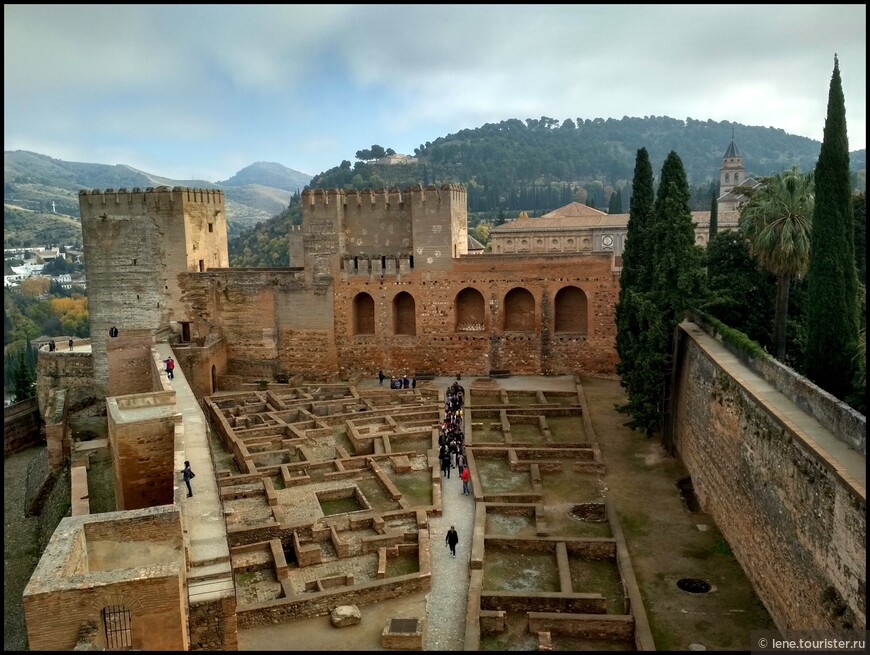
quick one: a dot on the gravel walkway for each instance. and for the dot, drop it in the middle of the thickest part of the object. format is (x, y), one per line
(447, 599)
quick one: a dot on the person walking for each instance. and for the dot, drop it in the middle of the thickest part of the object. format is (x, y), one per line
(445, 464)
(452, 540)
(170, 367)
(187, 474)
(381, 378)
(465, 476)
(70, 344)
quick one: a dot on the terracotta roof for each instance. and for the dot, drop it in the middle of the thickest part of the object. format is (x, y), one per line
(574, 214)
(474, 244)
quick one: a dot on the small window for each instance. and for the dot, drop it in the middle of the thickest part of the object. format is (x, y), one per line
(211, 227)
(201, 265)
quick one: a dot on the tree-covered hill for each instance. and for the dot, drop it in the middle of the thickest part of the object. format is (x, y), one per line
(497, 160)
(539, 165)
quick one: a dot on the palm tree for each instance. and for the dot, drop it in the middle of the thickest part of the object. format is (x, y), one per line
(777, 220)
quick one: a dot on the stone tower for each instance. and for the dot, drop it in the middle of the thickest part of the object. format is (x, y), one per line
(732, 172)
(138, 243)
(378, 231)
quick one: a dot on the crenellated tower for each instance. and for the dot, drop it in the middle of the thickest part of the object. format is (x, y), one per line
(378, 231)
(138, 242)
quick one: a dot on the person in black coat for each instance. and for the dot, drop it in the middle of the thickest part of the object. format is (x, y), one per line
(452, 540)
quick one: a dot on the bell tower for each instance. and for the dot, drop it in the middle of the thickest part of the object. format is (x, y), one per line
(732, 172)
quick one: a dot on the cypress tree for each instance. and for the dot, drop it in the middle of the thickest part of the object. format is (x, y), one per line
(832, 281)
(615, 205)
(714, 217)
(634, 278)
(675, 284)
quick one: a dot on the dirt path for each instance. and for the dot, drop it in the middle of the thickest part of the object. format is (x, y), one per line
(665, 541)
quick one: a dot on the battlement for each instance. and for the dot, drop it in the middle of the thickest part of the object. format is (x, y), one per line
(137, 199)
(385, 198)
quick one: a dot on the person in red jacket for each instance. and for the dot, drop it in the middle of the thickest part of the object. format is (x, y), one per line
(465, 477)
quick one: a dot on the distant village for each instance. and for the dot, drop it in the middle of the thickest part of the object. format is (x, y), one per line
(21, 264)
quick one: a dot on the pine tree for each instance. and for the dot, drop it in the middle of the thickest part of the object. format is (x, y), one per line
(832, 281)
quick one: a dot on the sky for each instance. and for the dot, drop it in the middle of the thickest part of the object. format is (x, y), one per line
(202, 91)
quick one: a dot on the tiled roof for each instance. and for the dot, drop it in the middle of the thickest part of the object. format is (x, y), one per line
(574, 214)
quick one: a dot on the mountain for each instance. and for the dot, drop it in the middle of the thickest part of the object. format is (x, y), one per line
(269, 174)
(47, 190)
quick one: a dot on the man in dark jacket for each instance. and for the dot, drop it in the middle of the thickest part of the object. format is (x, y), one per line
(452, 540)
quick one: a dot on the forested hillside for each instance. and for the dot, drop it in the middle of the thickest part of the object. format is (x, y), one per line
(542, 164)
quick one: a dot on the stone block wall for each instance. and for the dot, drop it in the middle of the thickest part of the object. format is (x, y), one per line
(797, 525)
(439, 347)
(157, 607)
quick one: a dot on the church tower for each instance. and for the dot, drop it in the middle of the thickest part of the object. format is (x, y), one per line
(732, 172)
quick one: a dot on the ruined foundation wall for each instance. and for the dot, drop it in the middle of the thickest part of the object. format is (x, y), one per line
(797, 526)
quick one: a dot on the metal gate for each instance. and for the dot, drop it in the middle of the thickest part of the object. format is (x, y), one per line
(119, 627)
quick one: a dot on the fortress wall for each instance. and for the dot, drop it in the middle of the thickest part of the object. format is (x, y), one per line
(64, 370)
(439, 347)
(270, 319)
(377, 224)
(796, 525)
(129, 363)
(142, 444)
(205, 229)
(440, 225)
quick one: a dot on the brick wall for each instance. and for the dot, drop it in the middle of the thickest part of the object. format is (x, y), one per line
(143, 448)
(797, 526)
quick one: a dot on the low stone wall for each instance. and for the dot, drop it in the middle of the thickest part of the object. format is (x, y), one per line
(22, 425)
(320, 603)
